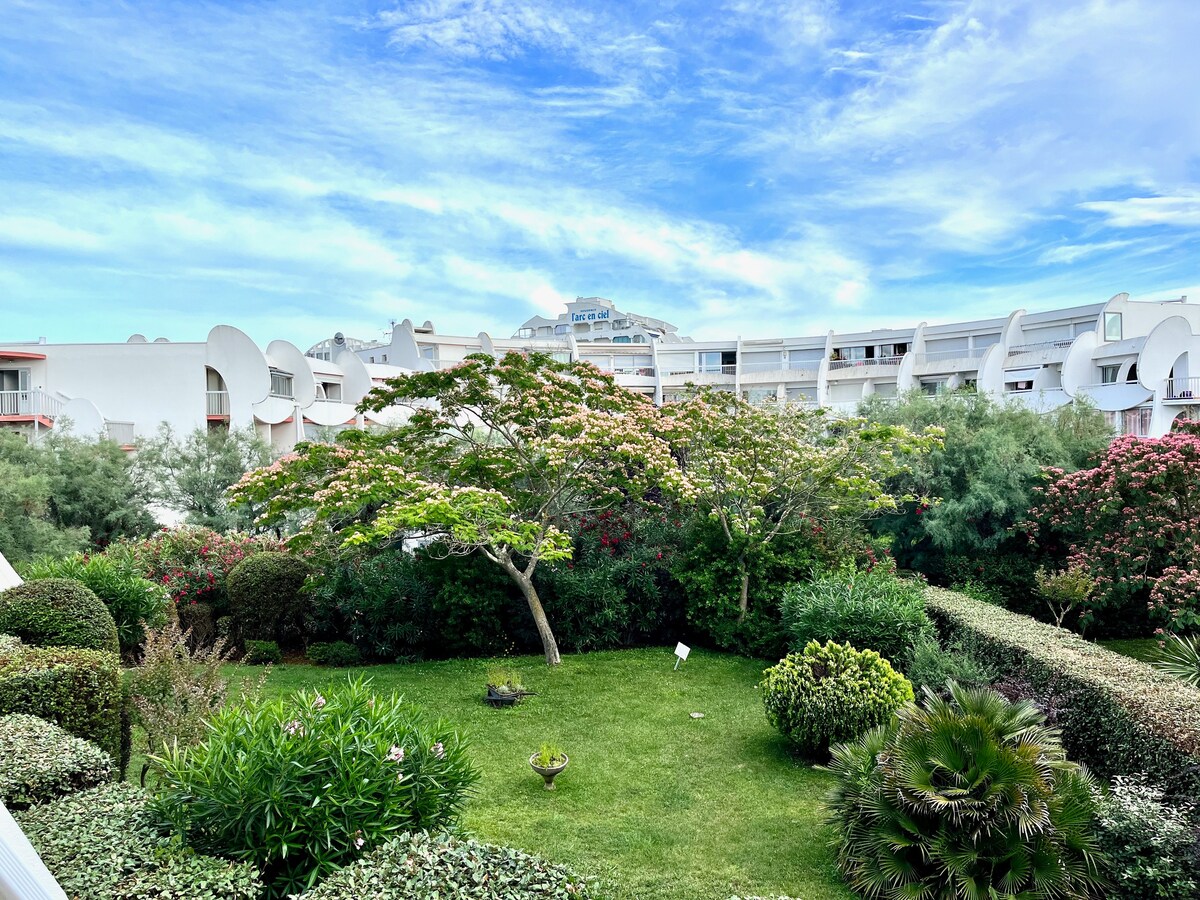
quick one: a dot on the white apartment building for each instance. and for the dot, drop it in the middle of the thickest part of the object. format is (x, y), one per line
(1132, 359)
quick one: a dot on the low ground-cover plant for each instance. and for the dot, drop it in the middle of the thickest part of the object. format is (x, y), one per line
(831, 693)
(57, 612)
(1152, 847)
(964, 798)
(106, 844)
(1119, 716)
(39, 762)
(135, 602)
(79, 690)
(869, 610)
(337, 654)
(303, 784)
(423, 866)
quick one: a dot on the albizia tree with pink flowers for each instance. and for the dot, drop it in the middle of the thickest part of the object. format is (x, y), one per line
(1133, 522)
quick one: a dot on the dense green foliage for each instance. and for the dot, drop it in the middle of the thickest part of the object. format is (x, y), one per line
(135, 602)
(265, 599)
(1180, 656)
(1119, 715)
(190, 474)
(336, 654)
(964, 798)
(931, 666)
(869, 610)
(261, 653)
(1152, 847)
(39, 761)
(831, 693)
(422, 866)
(250, 789)
(65, 494)
(57, 612)
(79, 690)
(983, 477)
(659, 805)
(106, 844)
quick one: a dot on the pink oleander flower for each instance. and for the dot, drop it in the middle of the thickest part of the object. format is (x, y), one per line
(318, 702)
(294, 727)
(438, 750)
(396, 754)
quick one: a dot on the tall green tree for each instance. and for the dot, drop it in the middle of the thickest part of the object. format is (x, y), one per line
(494, 455)
(190, 474)
(27, 528)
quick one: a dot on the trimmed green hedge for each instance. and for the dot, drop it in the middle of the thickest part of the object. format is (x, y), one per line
(421, 866)
(79, 690)
(265, 599)
(39, 762)
(105, 844)
(1120, 716)
(57, 612)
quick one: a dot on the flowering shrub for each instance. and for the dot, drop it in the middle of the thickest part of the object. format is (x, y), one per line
(192, 563)
(304, 784)
(831, 693)
(1133, 523)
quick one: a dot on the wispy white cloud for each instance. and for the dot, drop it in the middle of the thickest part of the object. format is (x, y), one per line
(1182, 210)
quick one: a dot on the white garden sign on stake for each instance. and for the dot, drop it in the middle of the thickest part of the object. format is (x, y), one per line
(681, 653)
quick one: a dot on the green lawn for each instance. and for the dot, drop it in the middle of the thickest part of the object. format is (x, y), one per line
(658, 804)
(1145, 649)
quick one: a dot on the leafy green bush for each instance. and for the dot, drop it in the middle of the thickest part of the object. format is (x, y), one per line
(1151, 846)
(79, 690)
(57, 612)
(423, 866)
(39, 761)
(831, 693)
(262, 653)
(197, 621)
(1120, 716)
(869, 610)
(338, 654)
(106, 844)
(135, 602)
(301, 784)
(264, 596)
(964, 798)
(932, 666)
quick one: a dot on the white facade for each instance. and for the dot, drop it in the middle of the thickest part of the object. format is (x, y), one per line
(1132, 359)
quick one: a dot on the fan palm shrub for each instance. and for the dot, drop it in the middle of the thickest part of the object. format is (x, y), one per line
(965, 798)
(1180, 656)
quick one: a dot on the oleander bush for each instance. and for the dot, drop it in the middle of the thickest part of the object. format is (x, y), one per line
(78, 690)
(831, 693)
(424, 866)
(39, 762)
(262, 653)
(107, 844)
(135, 602)
(1152, 847)
(303, 784)
(964, 798)
(265, 598)
(869, 610)
(337, 654)
(57, 612)
(1118, 715)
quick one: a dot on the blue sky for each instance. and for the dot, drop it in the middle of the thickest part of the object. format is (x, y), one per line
(751, 167)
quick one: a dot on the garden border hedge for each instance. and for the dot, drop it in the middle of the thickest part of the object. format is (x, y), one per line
(40, 761)
(1121, 715)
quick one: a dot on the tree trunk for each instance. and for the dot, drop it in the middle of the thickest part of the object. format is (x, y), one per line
(525, 583)
(744, 599)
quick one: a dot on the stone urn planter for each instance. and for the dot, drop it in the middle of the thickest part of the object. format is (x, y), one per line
(557, 762)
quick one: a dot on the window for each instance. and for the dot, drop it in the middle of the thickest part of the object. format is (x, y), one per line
(622, 339)
(1112, 326)
(281, 384)
(561, 329)
(526, 333)
(620, 324)
(1108, 374)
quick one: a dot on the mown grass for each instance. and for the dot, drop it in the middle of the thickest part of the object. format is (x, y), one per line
(1145, 649)
(654, 802)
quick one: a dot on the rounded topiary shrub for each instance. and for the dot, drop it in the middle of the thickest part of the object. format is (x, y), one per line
(962, 798)
(264, 597)
(423, 865)
(57, 612)
(40, 761)
(831, 693)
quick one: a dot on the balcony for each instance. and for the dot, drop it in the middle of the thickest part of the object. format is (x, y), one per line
(122, 433)
(1039, 353)
(1181, 391)
(862, 366)
(966, 359)
(30, 405)
(216, 404)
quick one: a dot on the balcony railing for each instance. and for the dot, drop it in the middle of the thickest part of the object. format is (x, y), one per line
(1182, 390)
(1018, 349)
(30, 403)
(121, 432)
(856, 363)
(217, 403)
(784, 365)
(685, 369)
(944, 355)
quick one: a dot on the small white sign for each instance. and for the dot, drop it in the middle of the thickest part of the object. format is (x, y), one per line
(682, 650)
